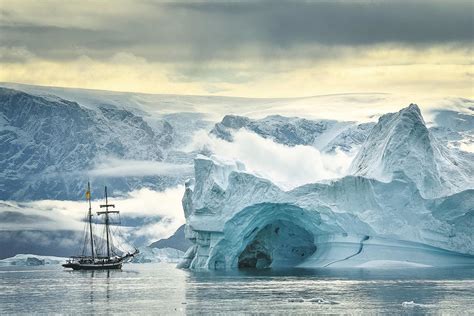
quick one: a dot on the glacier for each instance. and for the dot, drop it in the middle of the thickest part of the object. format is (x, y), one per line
(407, 203)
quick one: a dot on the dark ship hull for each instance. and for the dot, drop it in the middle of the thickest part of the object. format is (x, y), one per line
(89, 263)
(93, 266)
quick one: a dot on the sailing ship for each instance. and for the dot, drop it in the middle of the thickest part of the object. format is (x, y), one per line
(93, 256)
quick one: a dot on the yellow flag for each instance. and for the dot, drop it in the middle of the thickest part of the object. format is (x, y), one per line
(88, 195)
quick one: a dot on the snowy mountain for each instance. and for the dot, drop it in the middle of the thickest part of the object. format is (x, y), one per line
(176, 241)
(53, 140)
(400, 143)
(49, 146)
(326, 135)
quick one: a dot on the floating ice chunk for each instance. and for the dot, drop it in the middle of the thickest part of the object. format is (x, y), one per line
(412, 304)
(296, 300)
(320, 300)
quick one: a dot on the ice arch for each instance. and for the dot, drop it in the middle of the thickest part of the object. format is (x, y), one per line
(273, 235)
(350, 222)
(267, 235)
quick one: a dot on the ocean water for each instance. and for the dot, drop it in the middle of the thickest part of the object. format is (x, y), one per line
(163, 289)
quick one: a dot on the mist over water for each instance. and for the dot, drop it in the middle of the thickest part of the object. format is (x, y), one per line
(163, 289)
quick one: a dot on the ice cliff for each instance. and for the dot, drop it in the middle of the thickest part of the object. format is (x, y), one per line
(407, 201)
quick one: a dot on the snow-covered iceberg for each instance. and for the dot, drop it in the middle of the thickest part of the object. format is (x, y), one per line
(237, 219)
(31, 260)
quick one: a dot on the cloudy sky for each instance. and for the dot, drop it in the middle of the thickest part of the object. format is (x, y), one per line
(241, 48)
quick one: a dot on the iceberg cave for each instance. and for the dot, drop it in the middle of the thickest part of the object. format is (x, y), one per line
(266, 235)
(280, 243)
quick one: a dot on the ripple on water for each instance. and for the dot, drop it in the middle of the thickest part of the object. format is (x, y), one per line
(161, 288)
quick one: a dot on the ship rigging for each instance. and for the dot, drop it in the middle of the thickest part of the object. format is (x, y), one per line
(109, 258)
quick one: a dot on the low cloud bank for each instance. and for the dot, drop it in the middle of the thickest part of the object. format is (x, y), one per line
(69, 215)
(288, 167)
(114, 168)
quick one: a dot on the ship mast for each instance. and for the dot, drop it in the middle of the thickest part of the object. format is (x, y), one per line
(107, 212)
(88, 195)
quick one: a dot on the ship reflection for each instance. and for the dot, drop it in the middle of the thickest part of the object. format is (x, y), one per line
(99, 283)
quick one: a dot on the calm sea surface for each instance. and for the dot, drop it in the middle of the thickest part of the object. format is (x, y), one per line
(163, 289)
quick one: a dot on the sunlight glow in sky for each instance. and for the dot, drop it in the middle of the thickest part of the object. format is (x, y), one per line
(241, 48)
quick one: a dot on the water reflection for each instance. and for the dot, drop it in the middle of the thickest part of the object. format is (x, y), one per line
(91, 295)
(96, 286)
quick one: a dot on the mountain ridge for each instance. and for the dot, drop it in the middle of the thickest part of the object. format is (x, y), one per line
(44, 141)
